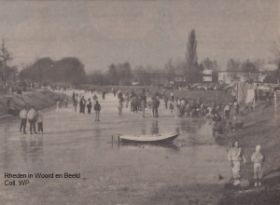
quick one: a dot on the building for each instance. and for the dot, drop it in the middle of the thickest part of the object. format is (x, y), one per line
(229, 77)
(207, 75)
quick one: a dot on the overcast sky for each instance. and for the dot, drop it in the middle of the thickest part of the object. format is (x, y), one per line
(141, 32)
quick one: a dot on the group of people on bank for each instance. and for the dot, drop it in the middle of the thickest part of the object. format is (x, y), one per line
(33, 117)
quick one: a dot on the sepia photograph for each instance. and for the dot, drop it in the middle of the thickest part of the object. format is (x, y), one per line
(140, 102)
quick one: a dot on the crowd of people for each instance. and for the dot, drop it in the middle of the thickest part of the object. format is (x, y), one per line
(146, 101)
(222, 116)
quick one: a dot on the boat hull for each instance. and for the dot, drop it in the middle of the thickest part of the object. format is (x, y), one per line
(148, 138)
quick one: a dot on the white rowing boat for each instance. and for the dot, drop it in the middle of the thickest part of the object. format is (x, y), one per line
(150, 138)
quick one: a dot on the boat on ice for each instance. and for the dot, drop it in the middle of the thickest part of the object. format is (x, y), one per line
(149, 138)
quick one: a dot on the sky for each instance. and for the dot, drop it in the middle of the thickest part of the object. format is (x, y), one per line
(142, 32)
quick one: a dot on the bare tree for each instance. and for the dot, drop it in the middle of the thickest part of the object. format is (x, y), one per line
(192, 69)
(5, 57)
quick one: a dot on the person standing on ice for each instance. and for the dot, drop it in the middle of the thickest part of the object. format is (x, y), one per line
(23, 118)
(143, 102)
(165, 98)
(31, 116)
(97, 109)
(75, 105)
(235, 156)
(258, 159)
(171, 107)
(103, 94)
(89, 106)
(82, 105)
(155, 106)
(40, 118)
(120, 106)
(57, 105)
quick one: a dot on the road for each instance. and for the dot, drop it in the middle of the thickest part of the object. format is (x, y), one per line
(111, 174)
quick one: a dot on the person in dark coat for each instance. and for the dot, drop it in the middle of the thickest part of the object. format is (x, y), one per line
(104, 95)
(155, 107)
(32, 117)
(97, 109)
(23, 118)
(89, 106)
(82, 105)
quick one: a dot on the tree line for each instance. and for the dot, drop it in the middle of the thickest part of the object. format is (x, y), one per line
(189, 70)
(7, 73)
(45, 70)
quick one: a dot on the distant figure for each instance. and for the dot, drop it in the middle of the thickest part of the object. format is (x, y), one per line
(236, 107)
(40, 118)
(31, 116)
(227, 111)
(121, 100)
(104, 95)
(75, 105)
(95, 97)
(114, 92)
(127, 98)
(171, 107)
(97, 109)
(235, 156)
(82, 104)
(143, 102)
(166, 101)
(23, 118)
(258, 159)
(155, 105)
(172, 96)
(89, 106)
(74, 97)
(57, 105)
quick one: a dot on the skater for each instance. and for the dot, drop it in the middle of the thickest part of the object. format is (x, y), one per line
(104, 95)
(143, 103)
(227, 111)
(97, 109)
(166, 102)
(23, 118)
(95, 97)
(155, 107)
(235, 156)
(171, 107)
(57, 105)
(121, 100)
(258, 159)
(40, 122)
(75, 105)
(31, 116)
(82, 104)
(127, 97)
(172, 96)
(89, 106)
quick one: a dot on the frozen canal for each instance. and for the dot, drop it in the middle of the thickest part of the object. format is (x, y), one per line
(110, 174)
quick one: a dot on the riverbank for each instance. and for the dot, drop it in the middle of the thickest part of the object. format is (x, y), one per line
(11, 104)
(261, 127)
